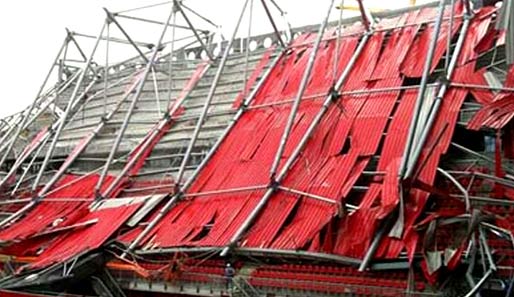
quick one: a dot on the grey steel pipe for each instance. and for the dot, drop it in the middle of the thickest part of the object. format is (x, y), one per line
(375, 243)
(145, 145)
(113, 39)
(68, 109)
(90, 138)
(29, 111)
(275, 29)
(480, 283)
(342, 79)
(112, 18)
(164, 210)
(459, 186)
(412, 159)
(133, 104)
(301, 90)
(247, 49)
(422, 89)
(106, 66)
(202, 44)
(16, 122)
(26, 170)
(170, 64)
(60, 127)
(210, 95)
(154, 22)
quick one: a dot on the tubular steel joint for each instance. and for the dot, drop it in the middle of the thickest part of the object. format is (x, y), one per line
(334, 94)
(273, 184)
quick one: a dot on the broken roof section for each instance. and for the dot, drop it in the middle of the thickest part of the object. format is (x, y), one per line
(331, 147)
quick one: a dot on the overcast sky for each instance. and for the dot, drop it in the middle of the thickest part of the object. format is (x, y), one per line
(32, 32)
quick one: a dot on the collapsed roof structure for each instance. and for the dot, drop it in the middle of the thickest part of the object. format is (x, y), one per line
(368, 157)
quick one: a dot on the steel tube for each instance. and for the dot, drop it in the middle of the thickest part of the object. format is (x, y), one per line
(128, 115)
(170, 65)
(144, 7)
(459, 186)
(145, 145)
(275, 29)
(156, 91)
(421, 93)
(202, 44)
(316, 197)
(412, 159)
(247, 49)
(26, 170)
(29, 111)
(16, 122)
(112, 18)
(60, 127)
(481, 282)
(82, 54)
(210, 95)
(106, 66)
(113, 39)
(154, 22)
(342, 79)
(164, 210)
(64, 167)
(296, 104)
(225, 191)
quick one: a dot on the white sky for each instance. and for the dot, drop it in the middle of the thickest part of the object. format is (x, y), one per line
(32, 32)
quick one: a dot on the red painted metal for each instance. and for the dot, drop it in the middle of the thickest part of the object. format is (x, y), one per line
(85, 239)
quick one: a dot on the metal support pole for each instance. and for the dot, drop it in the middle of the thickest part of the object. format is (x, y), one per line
(90, 138)
(296, 104)
(113, 39)
(31, 108)
(247, 49)
(172, 52)
(68, 110)
(202, 44)
(164, 210)
(421, 93)
(328, 101)
(145, 145)
(375, 243)
(111, 17)
(144, 7)
(367, 18)
(82, 54)
(60, 127)
(133, 104)
(411, 159)
(106, 66)
(199, 15)
(156, 91)
(275, 29)
(450, 29)
(480, 283)
(289, 31)
(208, 100)
(15, 123)
(459, 186)
(26, 170)
(155, 22)
(338, 40)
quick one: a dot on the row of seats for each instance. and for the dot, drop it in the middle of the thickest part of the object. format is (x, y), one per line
(326, 278)
(335, 270)
(324, 287)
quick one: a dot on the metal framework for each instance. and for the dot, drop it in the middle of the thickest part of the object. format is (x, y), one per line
(150, 126)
